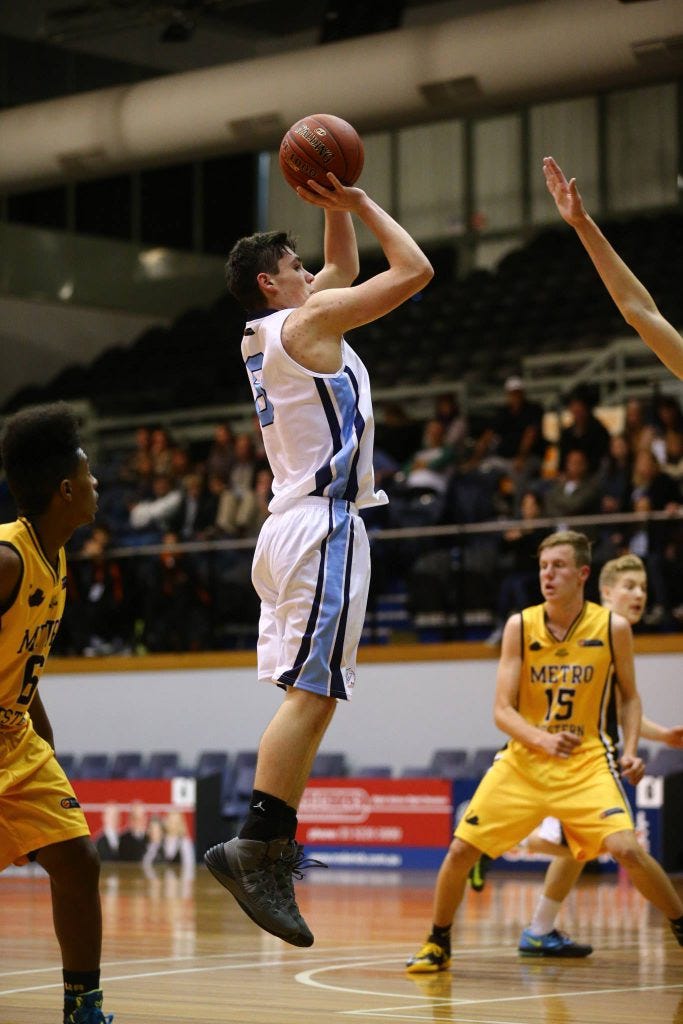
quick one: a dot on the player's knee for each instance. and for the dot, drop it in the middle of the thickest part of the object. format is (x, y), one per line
(460, 853)
(75, 862)
(625, 849)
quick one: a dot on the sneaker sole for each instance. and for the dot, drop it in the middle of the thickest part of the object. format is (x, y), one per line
(560, 953)
(235, 889)
(427, 968)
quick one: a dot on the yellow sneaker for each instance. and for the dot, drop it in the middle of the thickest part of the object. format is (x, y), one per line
(431, 958)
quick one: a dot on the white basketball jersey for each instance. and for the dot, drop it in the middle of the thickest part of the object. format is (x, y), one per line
(318, 428)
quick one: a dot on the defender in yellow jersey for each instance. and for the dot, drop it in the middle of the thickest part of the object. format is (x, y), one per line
(40, 817)
(623, 589)
(554, 698)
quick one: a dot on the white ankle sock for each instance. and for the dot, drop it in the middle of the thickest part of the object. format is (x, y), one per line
(543, 920)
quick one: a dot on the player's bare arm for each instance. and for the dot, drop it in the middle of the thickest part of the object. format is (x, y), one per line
(340, 249)
(10, 575)
(633, 300)
(673, 737)
(631, 711)
(332, 312)
(506, 715)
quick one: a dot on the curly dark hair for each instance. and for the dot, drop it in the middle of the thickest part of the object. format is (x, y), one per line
(39, 449)
(254, 255)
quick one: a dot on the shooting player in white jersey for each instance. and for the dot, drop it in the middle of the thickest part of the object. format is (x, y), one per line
(311, 566)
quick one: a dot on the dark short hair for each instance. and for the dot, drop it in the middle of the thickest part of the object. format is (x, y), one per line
(251, 256)
(40, 448)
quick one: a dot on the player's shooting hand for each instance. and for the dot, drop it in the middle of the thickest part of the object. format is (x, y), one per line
(632, 768)
(560, 744)
(345, 198)
(565, 193)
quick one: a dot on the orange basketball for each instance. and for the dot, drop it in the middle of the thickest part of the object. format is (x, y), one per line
(320, 143)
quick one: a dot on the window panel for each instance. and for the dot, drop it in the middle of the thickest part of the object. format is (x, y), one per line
(642, 141)
(497, 172)
(569, 132)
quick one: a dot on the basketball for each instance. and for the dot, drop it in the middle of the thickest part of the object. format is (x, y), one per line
(320, 143)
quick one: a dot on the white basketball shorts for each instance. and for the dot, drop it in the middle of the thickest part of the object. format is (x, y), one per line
(311, 571)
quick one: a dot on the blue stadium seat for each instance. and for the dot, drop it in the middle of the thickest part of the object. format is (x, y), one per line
(128, 765)
(68, 763)
(667, 761)
(374, 771)
(482, 760)
(211, 762)
(94, 766)
(449, 763)
(329, 766)
(238, 795)
(163, 765)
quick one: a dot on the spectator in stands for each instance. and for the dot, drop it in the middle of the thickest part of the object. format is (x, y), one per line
(100, 618)
(518, 564)
(651, 482)
(634, 302)
(585, 432)
(427, 469)
(158, 512)
(107, 842)
(137, 463)
(397, 434)
(615, 476)
(576, 491)
(133, 840)
(512, 444)
(161, 451)
(615, 486)
(236, 502)
(638, 432)
(447, 410)
(221, 456)
(196, 513)
(176, 603)
(668, 444)
(657, 543)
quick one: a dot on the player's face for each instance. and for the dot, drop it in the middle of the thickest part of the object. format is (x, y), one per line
(627, 595)
(293, 281)
(84, 492)
(559, 576)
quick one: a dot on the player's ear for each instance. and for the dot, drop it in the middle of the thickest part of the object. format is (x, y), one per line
(65, 489)
(264, 281)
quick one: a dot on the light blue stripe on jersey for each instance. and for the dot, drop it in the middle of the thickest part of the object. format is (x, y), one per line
(315, 673)
(342, 461)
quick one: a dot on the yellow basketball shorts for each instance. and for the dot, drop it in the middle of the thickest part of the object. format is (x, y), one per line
(38, 806)
(523, 787)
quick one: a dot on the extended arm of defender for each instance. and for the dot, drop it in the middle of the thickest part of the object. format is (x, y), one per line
(633, 300)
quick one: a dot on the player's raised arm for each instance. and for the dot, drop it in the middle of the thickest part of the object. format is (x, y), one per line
(409, 270)
(633, 300)
(340, 251)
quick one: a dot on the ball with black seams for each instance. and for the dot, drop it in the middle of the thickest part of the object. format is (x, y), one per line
(320, 143)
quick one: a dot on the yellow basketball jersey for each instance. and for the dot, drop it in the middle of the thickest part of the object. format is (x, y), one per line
(567, 686)
(29, 624)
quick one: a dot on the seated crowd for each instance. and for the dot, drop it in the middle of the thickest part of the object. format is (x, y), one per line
(443, 471)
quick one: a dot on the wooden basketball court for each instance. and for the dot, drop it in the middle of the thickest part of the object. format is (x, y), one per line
(179, 949)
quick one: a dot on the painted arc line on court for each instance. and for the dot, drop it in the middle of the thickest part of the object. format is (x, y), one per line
(349, 960)
(306, 977)
(513, 999)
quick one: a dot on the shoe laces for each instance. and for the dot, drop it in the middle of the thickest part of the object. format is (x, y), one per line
(294, 861)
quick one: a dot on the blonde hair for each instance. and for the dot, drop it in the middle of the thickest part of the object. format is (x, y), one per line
(616, 566)
(579, 542)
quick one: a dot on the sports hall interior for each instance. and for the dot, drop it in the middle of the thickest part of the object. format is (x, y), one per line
(140, 140)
